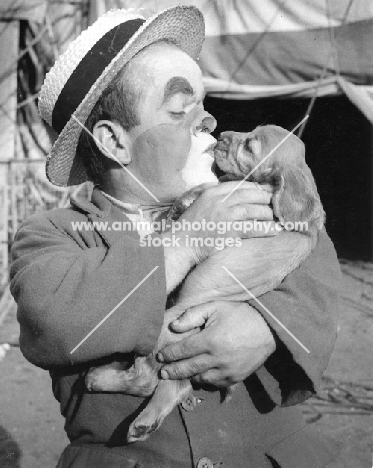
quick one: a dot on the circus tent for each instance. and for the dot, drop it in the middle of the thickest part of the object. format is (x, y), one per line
(280, 47)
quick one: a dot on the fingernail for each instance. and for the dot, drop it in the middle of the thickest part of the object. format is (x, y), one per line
(160, 357)
(164, 374)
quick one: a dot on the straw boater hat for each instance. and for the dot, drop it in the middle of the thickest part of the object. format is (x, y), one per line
(84, 70)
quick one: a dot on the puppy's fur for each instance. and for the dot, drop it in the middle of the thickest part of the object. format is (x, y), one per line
(295, 198)
(260, 263)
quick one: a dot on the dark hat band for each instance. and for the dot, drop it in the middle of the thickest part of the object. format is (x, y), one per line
(89, 70)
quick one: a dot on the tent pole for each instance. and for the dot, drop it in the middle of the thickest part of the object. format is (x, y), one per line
(371, 192)
(9, 32)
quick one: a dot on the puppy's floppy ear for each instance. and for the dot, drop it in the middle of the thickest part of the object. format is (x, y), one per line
(295, 198)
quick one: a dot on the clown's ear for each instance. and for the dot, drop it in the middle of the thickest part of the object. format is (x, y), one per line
(295, 198)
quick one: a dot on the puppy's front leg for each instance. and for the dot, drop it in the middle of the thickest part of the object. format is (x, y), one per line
(141, 378)
(168, 394)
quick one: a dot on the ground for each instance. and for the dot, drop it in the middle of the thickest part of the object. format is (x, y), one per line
(33, 426)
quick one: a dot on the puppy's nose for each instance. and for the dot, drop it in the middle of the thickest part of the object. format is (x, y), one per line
(225, 136)
(223, 141)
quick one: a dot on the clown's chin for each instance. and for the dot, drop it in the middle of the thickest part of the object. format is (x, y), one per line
(198, 171)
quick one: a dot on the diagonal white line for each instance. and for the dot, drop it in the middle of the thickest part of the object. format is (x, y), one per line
(116, 159)
(262, 161)
(265, 308)
(112, 311)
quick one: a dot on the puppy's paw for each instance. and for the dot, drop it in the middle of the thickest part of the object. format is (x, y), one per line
(101, 380)
(141, 430)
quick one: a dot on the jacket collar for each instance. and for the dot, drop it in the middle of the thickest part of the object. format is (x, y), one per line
(101, 207)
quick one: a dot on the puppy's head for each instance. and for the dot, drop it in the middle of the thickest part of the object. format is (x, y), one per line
(272, 155)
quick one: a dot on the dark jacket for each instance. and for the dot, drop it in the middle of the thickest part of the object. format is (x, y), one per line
(66, 281)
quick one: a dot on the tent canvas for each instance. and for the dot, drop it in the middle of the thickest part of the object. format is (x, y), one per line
(278, 48)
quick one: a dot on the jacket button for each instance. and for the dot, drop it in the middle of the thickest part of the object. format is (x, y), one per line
(189, 403)
(205, 462)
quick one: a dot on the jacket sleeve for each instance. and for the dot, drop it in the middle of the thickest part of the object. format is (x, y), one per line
(65, 287)
(306, 305)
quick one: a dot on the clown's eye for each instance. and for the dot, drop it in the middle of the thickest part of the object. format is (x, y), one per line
(177, 115)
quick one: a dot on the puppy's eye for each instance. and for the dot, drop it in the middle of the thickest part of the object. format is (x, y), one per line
(247, 144)
(253, 145)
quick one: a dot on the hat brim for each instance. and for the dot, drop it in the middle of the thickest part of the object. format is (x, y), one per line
(181, 25)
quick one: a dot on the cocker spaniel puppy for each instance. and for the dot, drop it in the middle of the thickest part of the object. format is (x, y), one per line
(271, 155)
(295, 198)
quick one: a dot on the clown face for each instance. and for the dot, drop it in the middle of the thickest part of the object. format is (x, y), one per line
(171, 149)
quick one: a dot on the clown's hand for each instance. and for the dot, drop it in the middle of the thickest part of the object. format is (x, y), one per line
(216, 220)
(233, 343)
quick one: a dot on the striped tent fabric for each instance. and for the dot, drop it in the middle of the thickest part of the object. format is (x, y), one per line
(278, 47)
(292, 48)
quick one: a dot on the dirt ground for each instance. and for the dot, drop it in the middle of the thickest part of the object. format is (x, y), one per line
(31, 422)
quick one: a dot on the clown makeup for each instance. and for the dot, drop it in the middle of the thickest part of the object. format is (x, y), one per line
(172, 147)
(197, 169)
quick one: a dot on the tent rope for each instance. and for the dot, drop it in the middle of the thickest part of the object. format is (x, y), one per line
(314, 96)
(254, 46)
(333, 44)
(333, 53)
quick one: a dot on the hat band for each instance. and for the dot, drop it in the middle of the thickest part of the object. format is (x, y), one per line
(89, 70)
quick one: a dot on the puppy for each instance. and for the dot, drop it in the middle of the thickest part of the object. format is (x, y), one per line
(260, 263)
(295, 198)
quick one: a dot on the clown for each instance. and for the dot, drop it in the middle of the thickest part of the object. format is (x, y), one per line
(127, 101)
